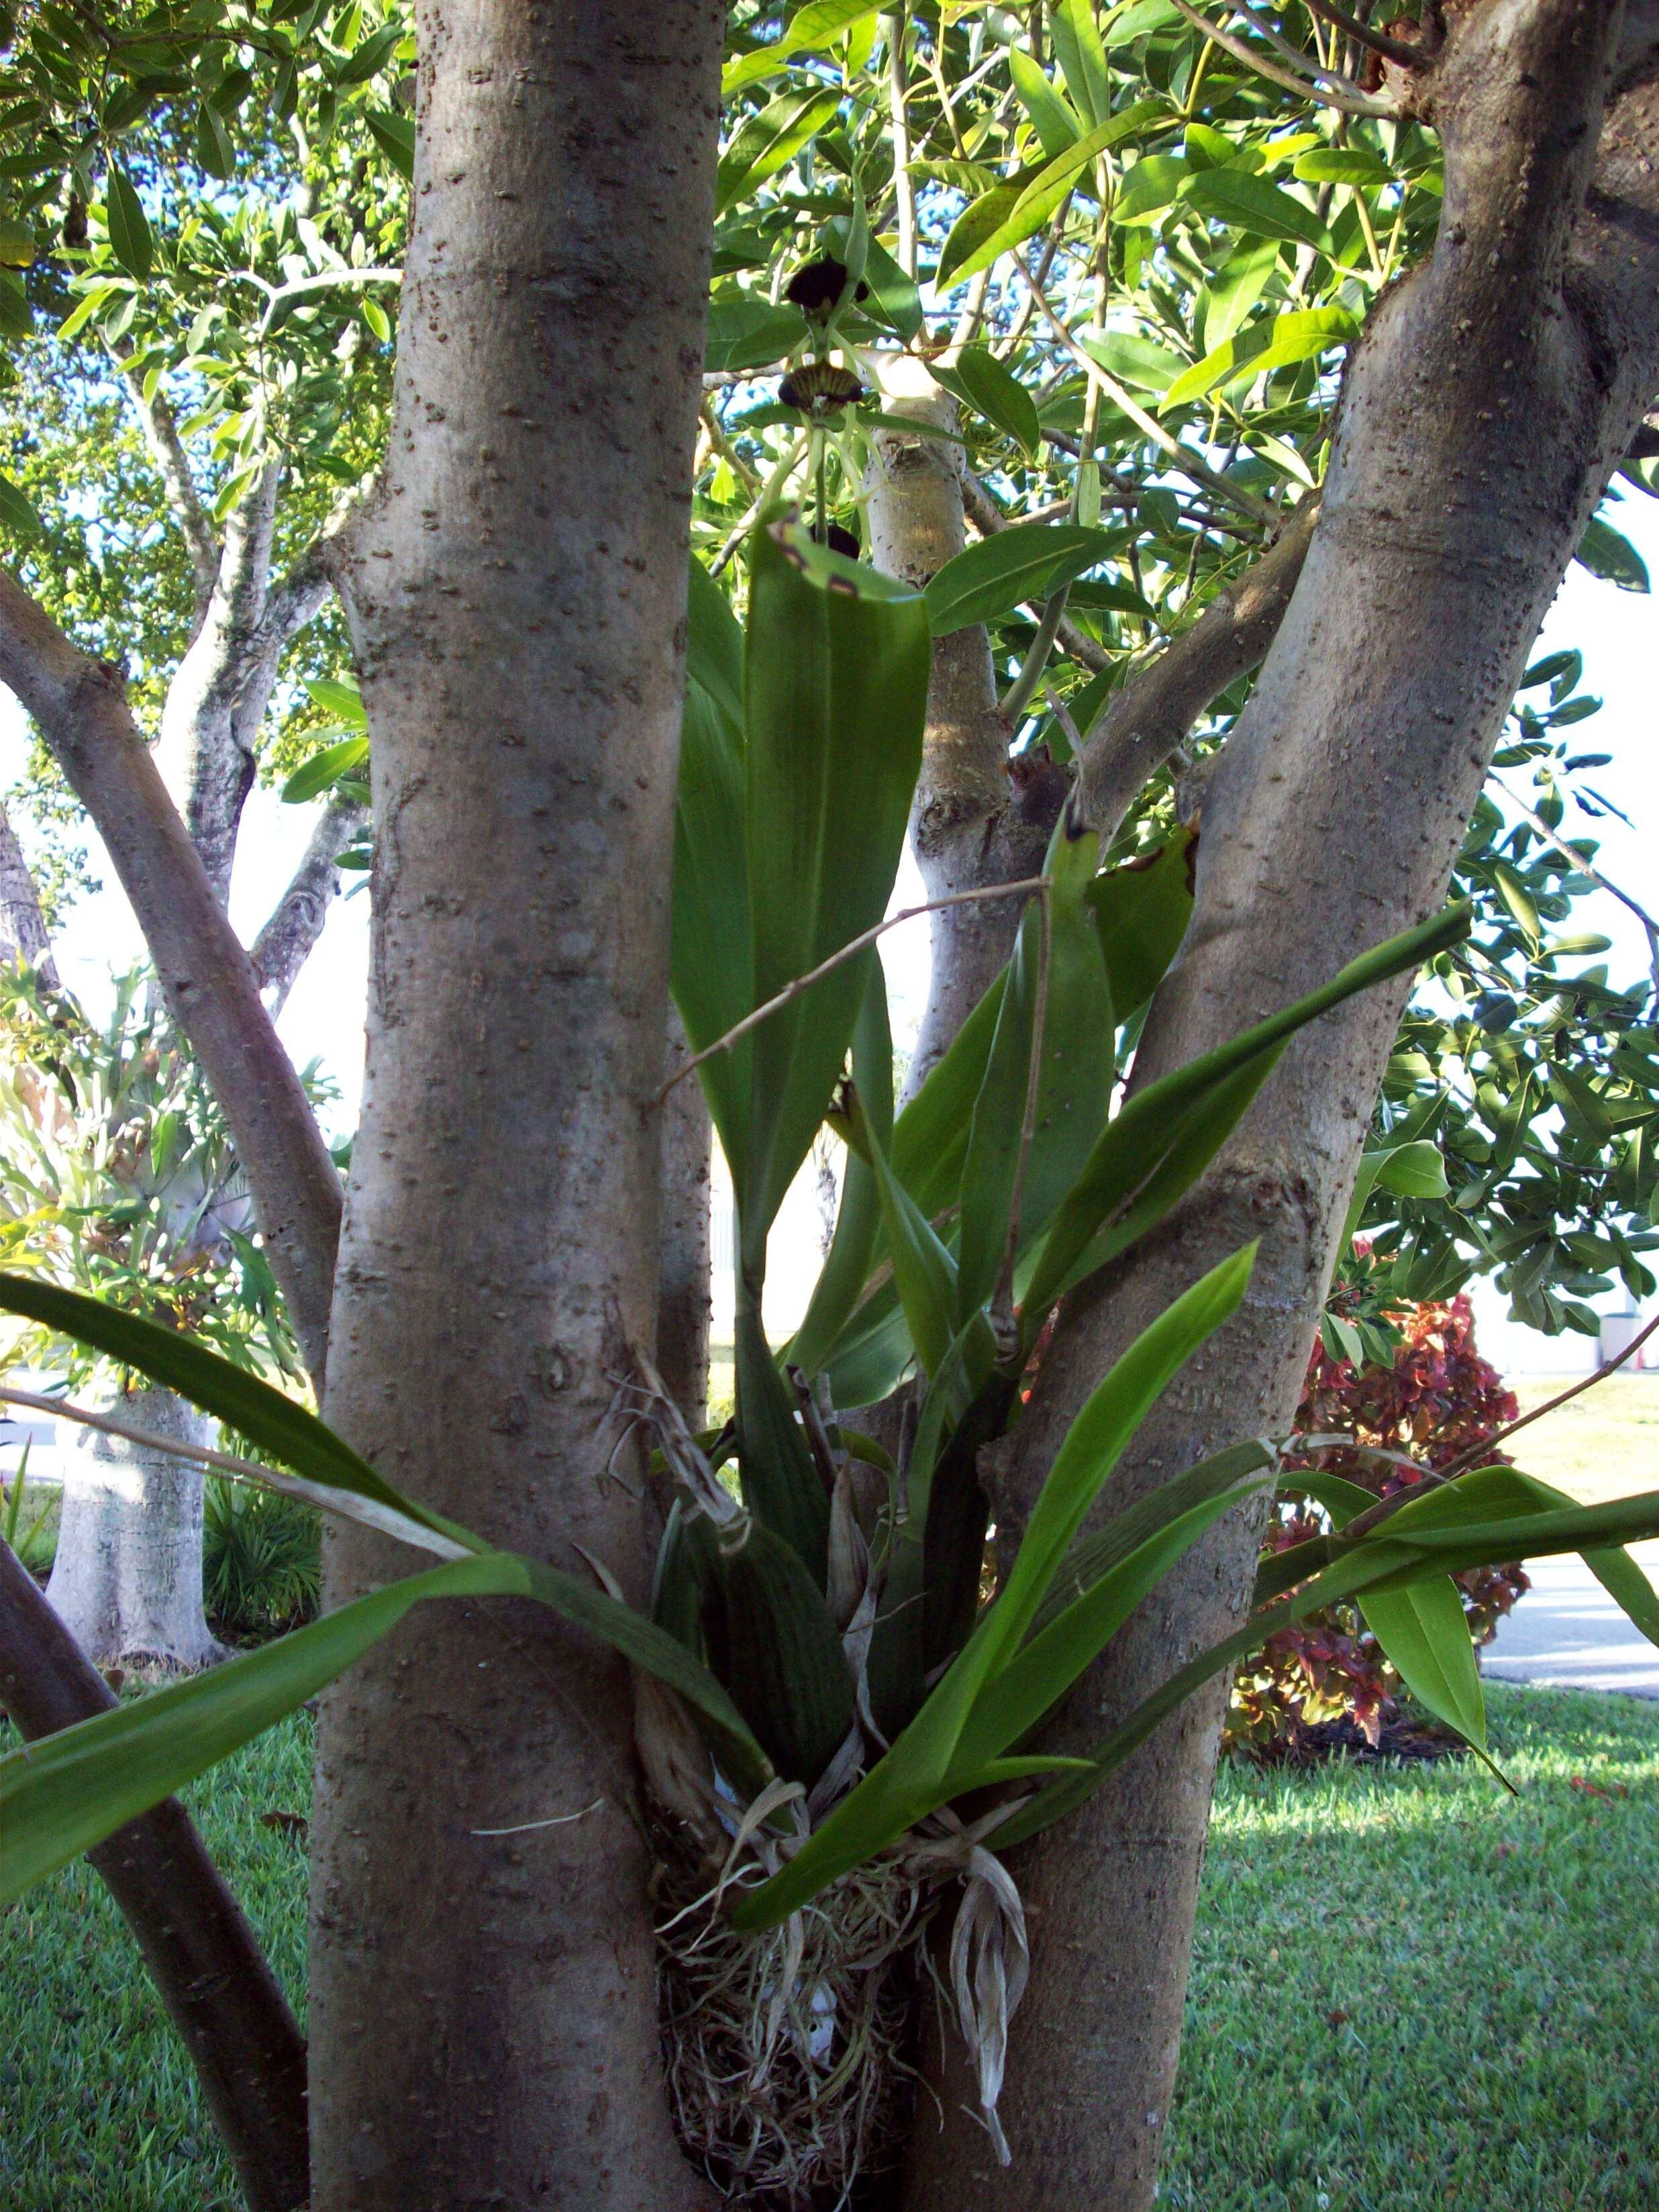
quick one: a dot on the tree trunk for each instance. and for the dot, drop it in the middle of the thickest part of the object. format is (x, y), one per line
(483, 2022)
(22, 928)
(127, 1579)
(1493, 395)
(972, 823)
(685, 1267)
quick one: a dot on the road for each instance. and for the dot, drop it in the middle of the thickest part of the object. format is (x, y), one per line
(1566, 1630)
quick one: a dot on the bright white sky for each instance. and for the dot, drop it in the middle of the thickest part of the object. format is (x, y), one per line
(1617, 631)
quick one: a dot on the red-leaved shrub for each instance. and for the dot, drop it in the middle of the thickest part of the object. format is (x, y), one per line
(1439, 1398)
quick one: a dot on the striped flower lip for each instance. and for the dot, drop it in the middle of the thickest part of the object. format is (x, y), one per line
(819, 388)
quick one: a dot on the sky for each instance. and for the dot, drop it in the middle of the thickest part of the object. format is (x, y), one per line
(1617, 631)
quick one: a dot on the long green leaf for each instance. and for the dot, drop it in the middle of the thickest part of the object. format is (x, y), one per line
(837, 691)
(1074, 1072)
(846, 1264)
(293, 1437)
(1138, 1137)
(912, 1779)
(781, 1485)
(809, 30)
(1141, 911)
(769, 142)
(129, 227)
(711, 946)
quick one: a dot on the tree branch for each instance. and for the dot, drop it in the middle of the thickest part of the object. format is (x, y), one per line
(166, 449)
(285, 943)
(206, 976)
(1146, 720)
(209, 1970)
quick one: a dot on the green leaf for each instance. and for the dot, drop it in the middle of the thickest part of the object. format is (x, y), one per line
(17, 511)
(1611, 557)
(1517, 898)
(1252, 203)
(1030, 562)
(93, 303)
(340, 697)
(1413, 1170)
(129, 227)
(64, 1793)
(1135, 1143)
(1340, 165)
(1082, 58)
(1141, 912)
(1056, 124)
(714, 643)
(1297, 337)
(923, 1270)
(394, 135)
(852, 1250)
(769, 142)
(324, 770)
(294, 1438)
(915, 1777)
(214, 149)
(1015, 211)
(788, 1672)
(17, 243)
(977, 376)
(711, 945)
(17, 316)
(1134, 359)
(1075, 1075)
(837, 692)
(1425, 1633)
(811, 29)
(1150, 186)
(748, 332)
(1236, 285)
(893, 293)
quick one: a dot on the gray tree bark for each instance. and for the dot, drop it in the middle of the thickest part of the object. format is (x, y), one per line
(1493, 395)
(23, 935)
(289, 936)
(127, 1579)
(483, 2025)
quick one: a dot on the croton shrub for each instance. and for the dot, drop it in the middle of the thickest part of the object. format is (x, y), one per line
(1422, 1411)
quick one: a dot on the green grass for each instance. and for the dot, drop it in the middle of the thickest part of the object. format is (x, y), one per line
(1602, 1444)
(1497, 1959)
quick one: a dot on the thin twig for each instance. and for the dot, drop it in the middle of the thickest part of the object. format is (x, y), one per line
(367, 1510)
(1351, 103)
(1247, 503)
(1554, 839)
(1393, 50)
(855, 945)
(1476, 1452)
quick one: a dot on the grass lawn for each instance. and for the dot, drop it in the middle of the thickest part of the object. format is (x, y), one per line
(1410, 1991)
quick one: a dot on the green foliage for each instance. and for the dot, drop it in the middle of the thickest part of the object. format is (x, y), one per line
(118, 1176)
(261, 1560)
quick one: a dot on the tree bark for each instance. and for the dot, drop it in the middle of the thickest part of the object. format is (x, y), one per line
(973, 823)
(684, 1270)
(289, 937)
(483, 2024)
(1493, 395)
(127, 1578)
(23, 935)
(208, 1970)
(205, 974)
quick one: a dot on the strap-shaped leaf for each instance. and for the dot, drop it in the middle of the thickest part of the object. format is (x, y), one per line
(1138, 1139)
(781, 1485)
(64, 1793)
(848, 1263)
(912, 1779)
(1141, 911)
(711, 950)
(837, 692)
(1030, 562)
(1075, 1075)
(295, 1437)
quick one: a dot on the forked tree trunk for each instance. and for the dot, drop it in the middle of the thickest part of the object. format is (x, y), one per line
(1494, 393)
(482, 2025)
(127, 1578)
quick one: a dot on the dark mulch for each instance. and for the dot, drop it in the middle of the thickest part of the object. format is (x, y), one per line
(1403, 1738)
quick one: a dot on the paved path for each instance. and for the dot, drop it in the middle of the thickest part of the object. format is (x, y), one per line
(1566, 1630)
